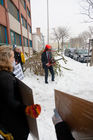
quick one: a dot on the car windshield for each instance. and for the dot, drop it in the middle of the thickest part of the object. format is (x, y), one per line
(82, 51)
(72, 50)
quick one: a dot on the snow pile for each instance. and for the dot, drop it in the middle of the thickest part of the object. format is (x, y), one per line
(77, 81)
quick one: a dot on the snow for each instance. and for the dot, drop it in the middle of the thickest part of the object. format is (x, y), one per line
(77, 81)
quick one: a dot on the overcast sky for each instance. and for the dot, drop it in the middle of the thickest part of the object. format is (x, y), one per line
(61, 13)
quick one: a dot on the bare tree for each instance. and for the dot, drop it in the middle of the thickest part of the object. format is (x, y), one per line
(85, 37)
(87, 9)
(91, 30)
(64, 34)
(81, 40)
(76, 42)
(56, 36)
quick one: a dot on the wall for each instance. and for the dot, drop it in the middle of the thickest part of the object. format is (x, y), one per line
(14, 24)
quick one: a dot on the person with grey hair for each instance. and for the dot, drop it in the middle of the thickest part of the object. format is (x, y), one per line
(12, 110)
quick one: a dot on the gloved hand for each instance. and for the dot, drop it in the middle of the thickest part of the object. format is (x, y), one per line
(33, 110)
(56, 117)
(48, 64)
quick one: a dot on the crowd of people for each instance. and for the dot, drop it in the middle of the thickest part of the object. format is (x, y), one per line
(13, 121)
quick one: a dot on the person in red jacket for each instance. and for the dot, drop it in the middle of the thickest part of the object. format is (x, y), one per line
(46, 59)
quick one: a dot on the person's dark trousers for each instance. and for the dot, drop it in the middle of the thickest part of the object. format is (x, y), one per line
(63, 131)
(52, 72)
(22, 66)
(46, 73)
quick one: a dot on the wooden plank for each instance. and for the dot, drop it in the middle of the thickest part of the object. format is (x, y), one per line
(27, 96)
(77, 112)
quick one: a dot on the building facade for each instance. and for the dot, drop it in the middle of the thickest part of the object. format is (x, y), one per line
(38, 40)
(15, 24)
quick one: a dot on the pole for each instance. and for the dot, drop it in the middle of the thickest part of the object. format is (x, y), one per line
(47, 23)
(88, 51)
(91, 61)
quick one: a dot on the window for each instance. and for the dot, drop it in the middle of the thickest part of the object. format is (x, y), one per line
(3, 34)
(24, 21)
(30, 43)
(15, 38)
(25, 41)
(23, 3)
(1, 2)
(13, 10)
(18, 39)
(12, 38)
(25, 24)
(28, 12)
(29, 28)
(18, 15)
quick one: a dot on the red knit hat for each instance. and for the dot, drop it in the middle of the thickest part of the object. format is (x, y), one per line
(48, 46)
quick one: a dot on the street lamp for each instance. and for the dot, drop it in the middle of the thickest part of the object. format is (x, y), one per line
(47, 23)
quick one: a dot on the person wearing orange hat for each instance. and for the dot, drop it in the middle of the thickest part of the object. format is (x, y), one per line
(46, 58)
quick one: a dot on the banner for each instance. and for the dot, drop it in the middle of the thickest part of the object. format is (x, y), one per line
(27, 97)
(18, 72)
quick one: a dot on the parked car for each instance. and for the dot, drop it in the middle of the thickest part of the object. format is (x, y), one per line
(69, 52)
(81, 55)
(86, 59)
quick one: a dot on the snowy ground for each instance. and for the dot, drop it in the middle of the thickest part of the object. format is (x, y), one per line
(77, 81)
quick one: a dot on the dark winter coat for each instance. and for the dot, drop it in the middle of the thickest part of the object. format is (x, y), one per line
(44, 58)
(17, 56)
(12, 110)
(63, 131)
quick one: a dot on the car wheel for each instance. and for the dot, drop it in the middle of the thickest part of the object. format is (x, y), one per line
(78, 59)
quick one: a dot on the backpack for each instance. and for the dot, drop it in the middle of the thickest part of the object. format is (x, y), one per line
(22, 57)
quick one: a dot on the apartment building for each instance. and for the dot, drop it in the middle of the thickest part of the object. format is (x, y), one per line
(38, 40)
(15, 24)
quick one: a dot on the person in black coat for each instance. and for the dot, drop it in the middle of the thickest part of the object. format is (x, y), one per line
(12, 110)
(61, 127)
(46, 59)
(17, 56)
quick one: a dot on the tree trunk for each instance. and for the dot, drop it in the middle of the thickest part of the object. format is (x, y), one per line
(58, 46)
(62, 44)
(91, 62)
